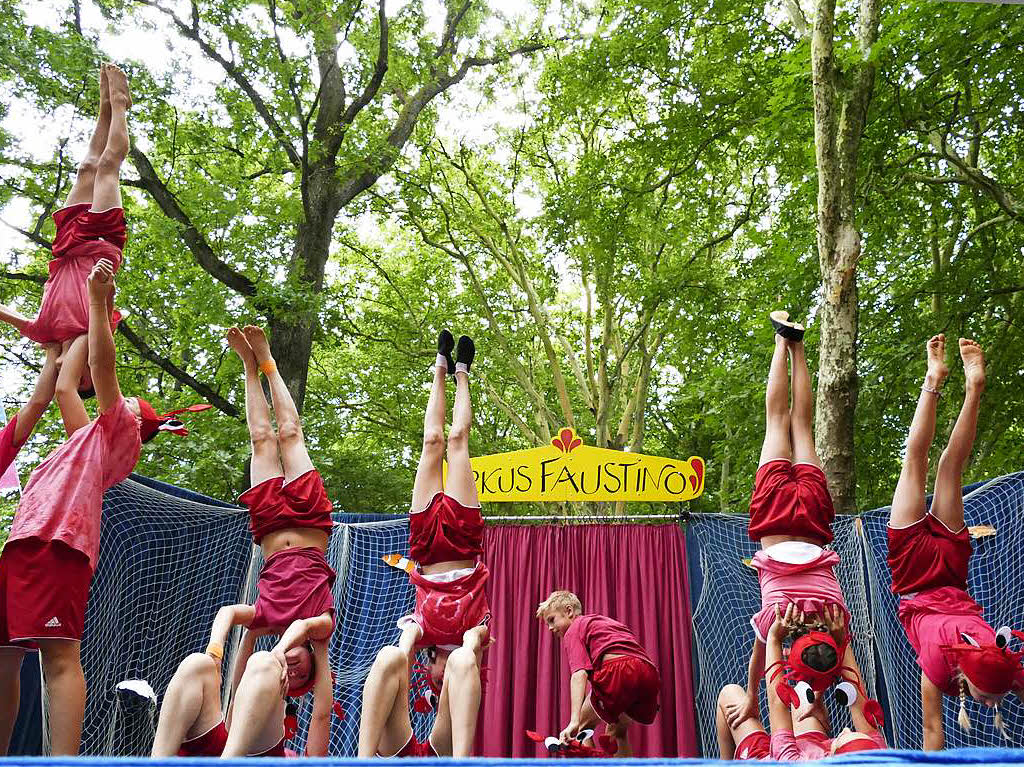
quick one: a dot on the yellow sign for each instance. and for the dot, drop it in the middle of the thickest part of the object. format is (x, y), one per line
(568, 470)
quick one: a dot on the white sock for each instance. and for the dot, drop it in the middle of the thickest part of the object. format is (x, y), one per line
(462, 367)
(441, 362)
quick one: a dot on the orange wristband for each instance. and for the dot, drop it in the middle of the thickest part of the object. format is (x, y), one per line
(268, 366)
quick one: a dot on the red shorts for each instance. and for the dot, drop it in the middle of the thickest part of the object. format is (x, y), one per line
(212, 743)
(446, 531)
(927, 555)
(413, 748)
(446, 610)
(103, 231)
(44, 589)
(757, 745)
(792, 500)
(294, 584)
(626, 685)
(274, 506)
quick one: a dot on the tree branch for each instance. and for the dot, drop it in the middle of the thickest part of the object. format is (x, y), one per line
(191, 31)
(197, 244)
(147, 353)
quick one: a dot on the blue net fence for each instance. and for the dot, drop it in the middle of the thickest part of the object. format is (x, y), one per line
(724, 594)
(169, 559)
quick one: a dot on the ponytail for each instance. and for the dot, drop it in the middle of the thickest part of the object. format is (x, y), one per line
(962, 719)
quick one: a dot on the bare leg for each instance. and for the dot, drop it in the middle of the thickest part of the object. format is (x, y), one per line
(265, 463)
(777, 440)
(10, 693)
(65, 691)
(462, 685)
(191, 704)
(258, 721)
(461, 486)
(290, 441)
(384, 725)
(620, 731)
(730, 737)
(948, 502)
(428, 472)
(908, 500)
(106, 191)
(800, 424)
(82, 190)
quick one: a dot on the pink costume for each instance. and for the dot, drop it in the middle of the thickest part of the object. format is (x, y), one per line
(935, 619)
(8, 448)
(83, 238)
(63, 500)
(810, 584)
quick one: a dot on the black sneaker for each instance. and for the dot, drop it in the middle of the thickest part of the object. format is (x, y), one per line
(445, 344)
(465, 351)
(791, 331)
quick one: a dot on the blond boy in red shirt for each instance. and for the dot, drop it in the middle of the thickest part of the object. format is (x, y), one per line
(624, 682)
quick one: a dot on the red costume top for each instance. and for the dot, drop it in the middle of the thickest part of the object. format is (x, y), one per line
(8, 447)
(63, 500)
(83, 238)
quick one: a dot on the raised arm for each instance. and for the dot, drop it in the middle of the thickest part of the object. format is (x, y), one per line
(779, 715)
(323, 701)
(931, 715)
(42, 395)
(102, 354)
(302, 631)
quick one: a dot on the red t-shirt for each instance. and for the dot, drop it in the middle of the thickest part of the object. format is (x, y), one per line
(8, 449)
(591, 636)
(63, 500)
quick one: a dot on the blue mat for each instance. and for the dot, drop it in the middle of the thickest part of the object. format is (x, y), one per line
(988, 756)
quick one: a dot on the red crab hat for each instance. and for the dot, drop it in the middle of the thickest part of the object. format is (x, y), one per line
(799, 683)
(992, 668)
(152, 422)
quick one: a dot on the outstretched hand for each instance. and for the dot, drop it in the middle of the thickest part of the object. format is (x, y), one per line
(835, 622)
(101, 281)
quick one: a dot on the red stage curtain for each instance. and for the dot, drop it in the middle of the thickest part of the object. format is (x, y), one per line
(635, 574)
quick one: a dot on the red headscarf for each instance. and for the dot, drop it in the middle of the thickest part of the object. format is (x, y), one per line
(152, 423)
(992, 668)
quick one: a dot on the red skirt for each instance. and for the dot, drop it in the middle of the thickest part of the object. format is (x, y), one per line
(791, 500)
(446, 531)
(928, 555)
(274, 506)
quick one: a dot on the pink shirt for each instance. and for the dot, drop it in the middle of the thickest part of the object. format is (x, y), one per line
(591, 636)
(810, 586)
(806, 747)
(936, 617)
(63, 500)
(8, 449)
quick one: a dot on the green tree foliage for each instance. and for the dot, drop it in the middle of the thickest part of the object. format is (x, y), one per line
(611, 218)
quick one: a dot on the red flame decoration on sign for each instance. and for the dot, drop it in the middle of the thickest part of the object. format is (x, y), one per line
(566, 441)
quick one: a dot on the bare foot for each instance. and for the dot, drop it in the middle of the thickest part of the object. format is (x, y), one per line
(237, 342)
(104, 87)
(118, 84)
(937, 367)
(258, 341)
(974, 362)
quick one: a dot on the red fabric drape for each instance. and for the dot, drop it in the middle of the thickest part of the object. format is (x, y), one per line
(635, 574)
